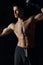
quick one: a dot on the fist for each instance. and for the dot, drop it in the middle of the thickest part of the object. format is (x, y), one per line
(42, 10)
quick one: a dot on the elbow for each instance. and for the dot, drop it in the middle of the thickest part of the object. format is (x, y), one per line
(35, 17)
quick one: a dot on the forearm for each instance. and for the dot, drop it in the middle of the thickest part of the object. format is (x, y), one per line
(5, 32)
(38, 17)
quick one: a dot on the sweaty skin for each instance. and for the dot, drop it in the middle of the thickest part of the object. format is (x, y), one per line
(21, 26)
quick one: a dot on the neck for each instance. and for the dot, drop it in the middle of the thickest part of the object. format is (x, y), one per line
(19, 19)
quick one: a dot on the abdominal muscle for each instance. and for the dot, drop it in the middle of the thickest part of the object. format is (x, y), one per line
(22, 38)
(22, 42)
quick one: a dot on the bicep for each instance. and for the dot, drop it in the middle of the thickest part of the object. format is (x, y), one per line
(28, 21)
(11, 26)
(7, 30)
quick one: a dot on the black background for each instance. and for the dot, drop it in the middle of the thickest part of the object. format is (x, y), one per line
(8, 43)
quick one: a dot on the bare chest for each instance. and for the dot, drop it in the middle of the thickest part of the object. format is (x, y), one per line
(19, 29)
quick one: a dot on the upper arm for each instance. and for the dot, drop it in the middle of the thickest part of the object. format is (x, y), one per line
(11, 26)
(8, 29)
(28, 21)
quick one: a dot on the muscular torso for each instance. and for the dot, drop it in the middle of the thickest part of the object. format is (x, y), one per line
(20, 33)
(25, 32)
(25, 35)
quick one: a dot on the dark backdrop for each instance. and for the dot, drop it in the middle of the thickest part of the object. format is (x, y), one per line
(8, 43)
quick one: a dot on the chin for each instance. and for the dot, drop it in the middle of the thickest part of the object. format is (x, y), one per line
(16, 16)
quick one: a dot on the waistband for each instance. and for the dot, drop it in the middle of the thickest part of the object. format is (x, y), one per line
(22, 47)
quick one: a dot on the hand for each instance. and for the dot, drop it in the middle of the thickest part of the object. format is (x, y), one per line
(42, 10)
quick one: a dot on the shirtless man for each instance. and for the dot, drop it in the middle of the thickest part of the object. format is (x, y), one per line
(19, 29)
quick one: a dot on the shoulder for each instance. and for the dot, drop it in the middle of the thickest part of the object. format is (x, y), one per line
(11, 25)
